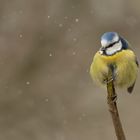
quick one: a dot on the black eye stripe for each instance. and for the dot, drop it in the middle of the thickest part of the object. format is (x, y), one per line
(109, 46)
(113, 44)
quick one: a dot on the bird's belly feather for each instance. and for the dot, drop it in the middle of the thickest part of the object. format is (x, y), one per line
(125, 70)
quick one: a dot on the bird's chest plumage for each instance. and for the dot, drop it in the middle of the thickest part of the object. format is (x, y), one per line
(124, 67)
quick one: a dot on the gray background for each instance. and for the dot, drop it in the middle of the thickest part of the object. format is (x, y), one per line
(46, 48)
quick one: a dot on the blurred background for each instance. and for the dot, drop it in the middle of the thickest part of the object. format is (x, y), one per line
(46, 48)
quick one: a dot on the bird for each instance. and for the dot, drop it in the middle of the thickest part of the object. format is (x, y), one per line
(115, 54)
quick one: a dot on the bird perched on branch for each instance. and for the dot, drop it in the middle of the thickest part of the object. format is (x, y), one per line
(115, 54)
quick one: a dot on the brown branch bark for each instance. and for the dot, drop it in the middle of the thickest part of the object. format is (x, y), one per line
(113, 109)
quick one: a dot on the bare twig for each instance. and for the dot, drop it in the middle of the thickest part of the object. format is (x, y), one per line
(113, 109)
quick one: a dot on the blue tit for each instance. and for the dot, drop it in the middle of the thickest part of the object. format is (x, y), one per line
(115, 54)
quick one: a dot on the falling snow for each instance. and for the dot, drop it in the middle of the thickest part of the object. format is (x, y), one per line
(20, 12)
(80, 118)
(69, 29)
(50, 54)
(76, 20)
(87, 70)
(91, 12)
(65, 17)
(84, 115)
(73, 53)
(19, 91)
(20, 35)
(65, 122)
(73, 7)
(46, 100)
(60, 25)
(74, 39)
(27, 83)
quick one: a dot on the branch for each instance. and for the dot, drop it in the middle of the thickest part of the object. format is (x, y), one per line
(113, 108)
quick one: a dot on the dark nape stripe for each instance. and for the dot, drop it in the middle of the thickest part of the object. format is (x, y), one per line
(124, 44)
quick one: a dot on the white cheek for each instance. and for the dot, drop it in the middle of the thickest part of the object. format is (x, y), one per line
(115, 48)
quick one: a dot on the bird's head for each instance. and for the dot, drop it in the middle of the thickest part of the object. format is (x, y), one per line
(111, 43)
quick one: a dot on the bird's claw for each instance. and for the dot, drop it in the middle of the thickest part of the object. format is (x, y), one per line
(106, 81)
(112, 99)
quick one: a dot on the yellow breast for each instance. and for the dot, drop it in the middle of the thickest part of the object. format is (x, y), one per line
(123, 55)
(124, 60)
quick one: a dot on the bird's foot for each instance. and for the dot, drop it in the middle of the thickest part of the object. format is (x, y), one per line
(108, 80)
(112, 99)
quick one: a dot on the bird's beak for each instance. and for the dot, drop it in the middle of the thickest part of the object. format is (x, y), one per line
(102, 49)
